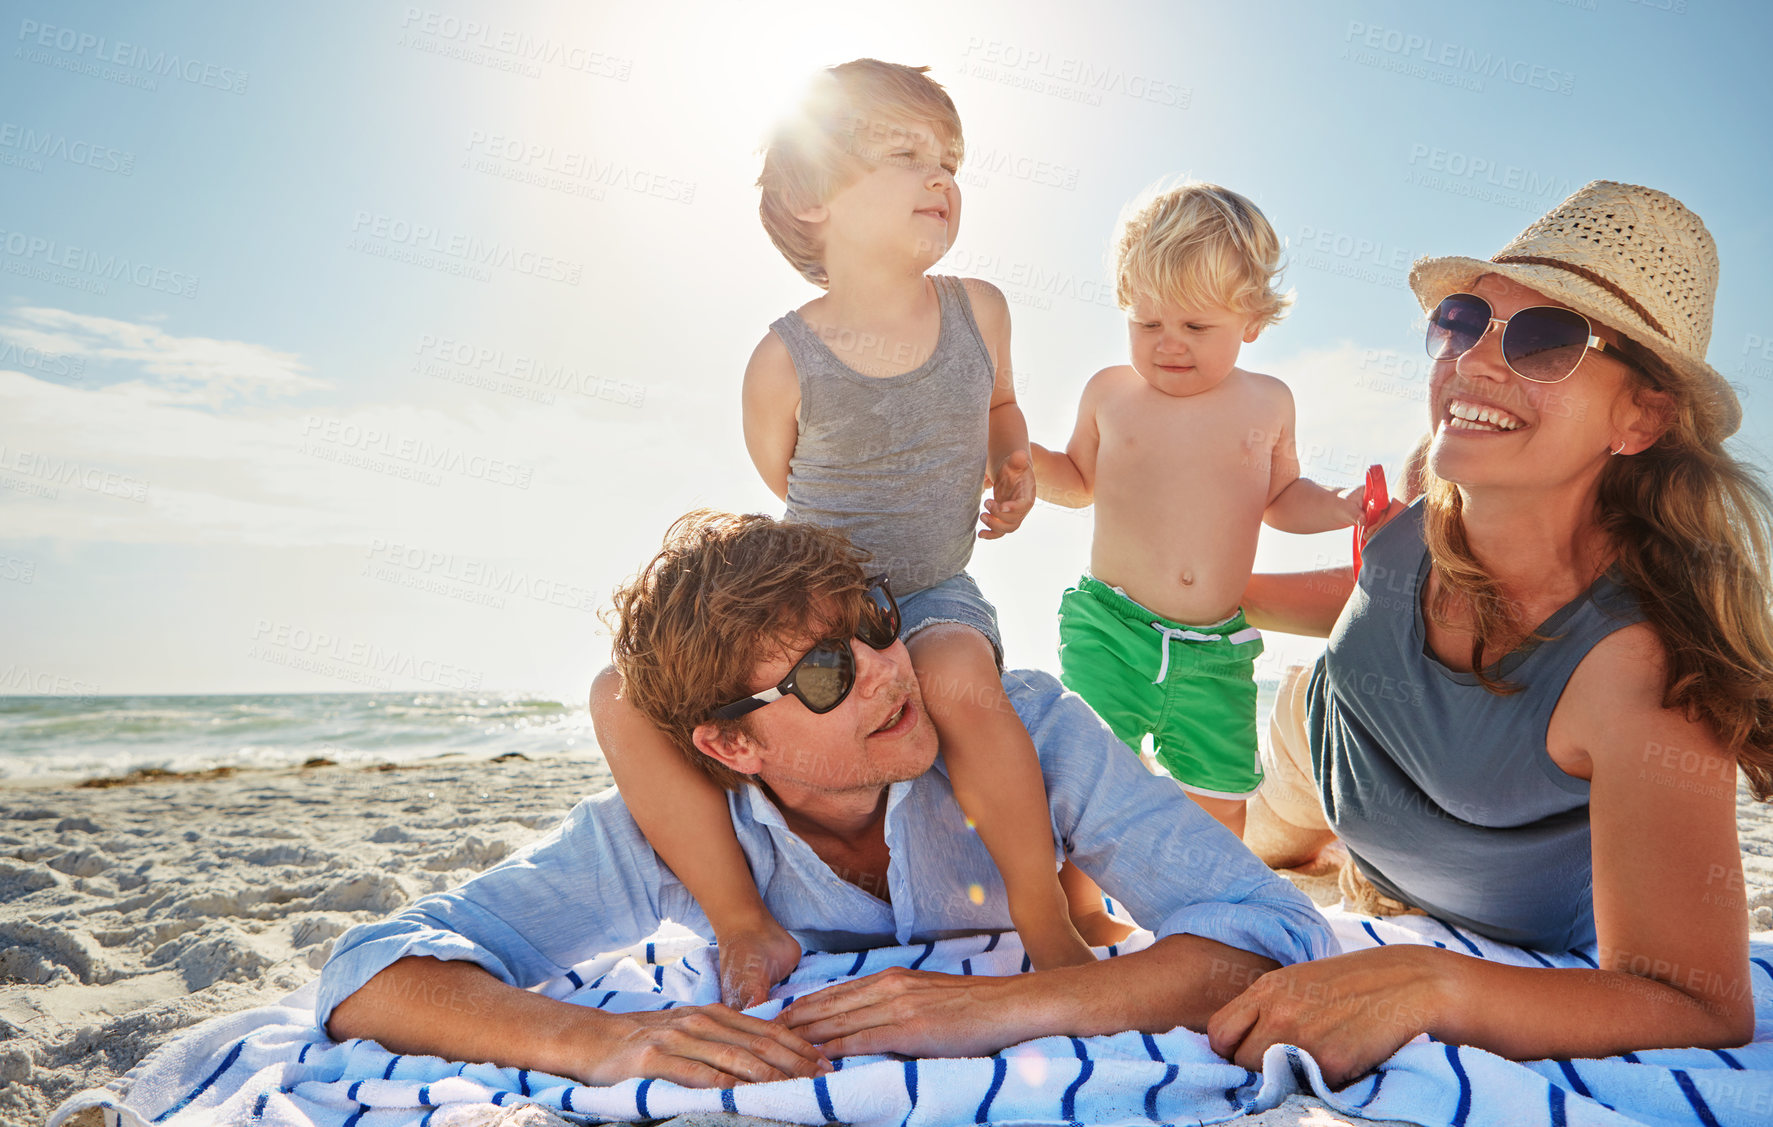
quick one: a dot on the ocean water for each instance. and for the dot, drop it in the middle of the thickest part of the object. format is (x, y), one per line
(1266, 691)
(72, 737)
(83, 737)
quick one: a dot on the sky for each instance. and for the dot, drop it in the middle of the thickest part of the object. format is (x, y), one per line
(370, 346)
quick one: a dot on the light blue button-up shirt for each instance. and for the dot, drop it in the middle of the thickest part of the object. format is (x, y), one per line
(595, 885)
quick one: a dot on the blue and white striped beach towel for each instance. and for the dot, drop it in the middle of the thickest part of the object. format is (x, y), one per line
(273, 1066)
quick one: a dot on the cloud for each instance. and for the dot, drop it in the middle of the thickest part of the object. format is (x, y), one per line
(194, 370)
(122, 464)
(1355, 406)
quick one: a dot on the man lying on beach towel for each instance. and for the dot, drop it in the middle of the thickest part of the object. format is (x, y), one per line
(454, 1041)
(272, 1067)
(855, 840)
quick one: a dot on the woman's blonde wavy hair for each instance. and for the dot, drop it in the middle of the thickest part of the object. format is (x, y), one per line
(1693, 530)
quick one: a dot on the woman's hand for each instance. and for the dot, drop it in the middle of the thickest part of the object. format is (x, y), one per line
(1350, 1012)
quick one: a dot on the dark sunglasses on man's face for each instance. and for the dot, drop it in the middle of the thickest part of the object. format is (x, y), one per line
(1542, 343)
(825, 676)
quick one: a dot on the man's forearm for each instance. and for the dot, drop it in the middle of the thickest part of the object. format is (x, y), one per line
(1179, 980)
(458, 1011)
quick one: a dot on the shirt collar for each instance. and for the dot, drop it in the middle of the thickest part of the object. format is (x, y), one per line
(752, 804)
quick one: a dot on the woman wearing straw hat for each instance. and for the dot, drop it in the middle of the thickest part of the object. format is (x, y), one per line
(1534, 700)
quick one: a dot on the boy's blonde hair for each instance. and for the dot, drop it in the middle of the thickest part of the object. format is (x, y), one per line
(847, 113)
(1199, 245)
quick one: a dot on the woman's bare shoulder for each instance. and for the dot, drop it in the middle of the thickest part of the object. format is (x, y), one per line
(1611, 714)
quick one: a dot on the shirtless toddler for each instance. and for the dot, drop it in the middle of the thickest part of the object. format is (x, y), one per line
(1185, 455)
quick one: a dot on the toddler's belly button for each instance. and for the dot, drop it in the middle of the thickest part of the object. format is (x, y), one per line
(1187, 578)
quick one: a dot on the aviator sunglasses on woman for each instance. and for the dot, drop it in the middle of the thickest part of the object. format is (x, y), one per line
(827, 673)
(1542, 343)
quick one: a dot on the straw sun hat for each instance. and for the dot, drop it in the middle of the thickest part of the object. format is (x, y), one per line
(1631, 258)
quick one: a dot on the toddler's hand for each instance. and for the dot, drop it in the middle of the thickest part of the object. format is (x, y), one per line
(1349, 503)
(1382, 519)
(1012, 496)
(753, 961)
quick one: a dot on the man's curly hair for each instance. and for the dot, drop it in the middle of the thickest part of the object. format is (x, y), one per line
(724, 595)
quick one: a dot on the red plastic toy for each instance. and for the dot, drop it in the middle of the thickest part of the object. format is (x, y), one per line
(1374, 502)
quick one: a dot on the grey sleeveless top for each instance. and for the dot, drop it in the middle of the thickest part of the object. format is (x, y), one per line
(1443, 791)
(896, 462)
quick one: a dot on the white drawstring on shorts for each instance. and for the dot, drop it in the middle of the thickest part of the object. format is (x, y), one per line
(1171, 634)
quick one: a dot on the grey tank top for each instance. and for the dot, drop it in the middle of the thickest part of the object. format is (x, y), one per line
(896, 462)
(1443, 791)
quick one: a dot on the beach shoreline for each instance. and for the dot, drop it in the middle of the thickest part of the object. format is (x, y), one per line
(132, 911)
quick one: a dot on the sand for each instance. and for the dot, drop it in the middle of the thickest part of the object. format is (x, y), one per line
(131, 912)
(128, 913)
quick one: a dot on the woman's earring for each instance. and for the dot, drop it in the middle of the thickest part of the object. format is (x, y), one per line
(1610, 450)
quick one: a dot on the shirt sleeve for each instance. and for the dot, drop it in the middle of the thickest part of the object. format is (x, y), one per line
(1140, 837)
(592, 885)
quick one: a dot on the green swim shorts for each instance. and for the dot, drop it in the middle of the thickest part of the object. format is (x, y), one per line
(1192, 688)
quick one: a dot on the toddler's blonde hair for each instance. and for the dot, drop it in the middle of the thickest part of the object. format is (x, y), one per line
(1199, 245)
(825, 141)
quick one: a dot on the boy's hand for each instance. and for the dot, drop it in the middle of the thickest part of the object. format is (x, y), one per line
(1012, 496)
(753, 961)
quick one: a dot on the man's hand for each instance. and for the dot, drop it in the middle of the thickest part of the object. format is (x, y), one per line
(1350, 1012)
(457, 1010)
(1012, 496)
(698, 1047)
(914, 1012)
